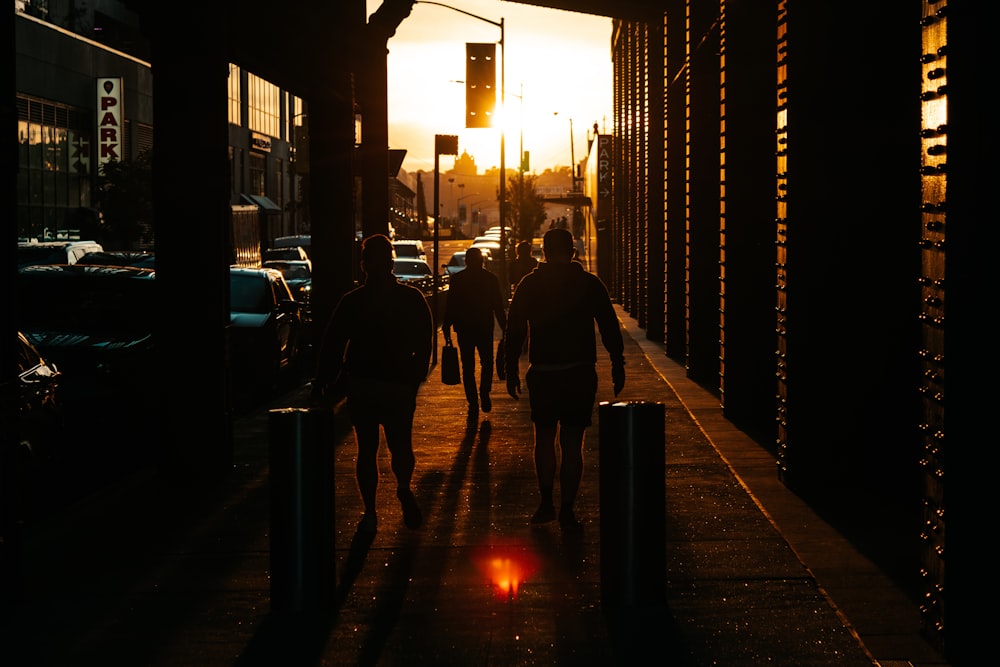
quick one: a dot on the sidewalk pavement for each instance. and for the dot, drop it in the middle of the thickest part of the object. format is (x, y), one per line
(154, 573)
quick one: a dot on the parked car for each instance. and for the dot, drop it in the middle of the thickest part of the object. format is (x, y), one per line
(418, 272)
(410, 269)
(455, 264)
(54, 252)
(492, 246)
(266, 329)
(409, 248)
(118, 258)
(96, 324)
(298, 275)
(40, 421)
(291, 253)
(303, 241)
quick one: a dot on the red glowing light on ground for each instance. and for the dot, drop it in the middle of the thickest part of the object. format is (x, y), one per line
(506, 568)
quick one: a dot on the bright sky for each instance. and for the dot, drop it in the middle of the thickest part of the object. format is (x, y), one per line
(560, 60)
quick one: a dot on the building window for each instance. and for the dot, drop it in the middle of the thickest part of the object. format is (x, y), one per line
(264, 106)
(258, 166)
(235, 99)
(296, 119)
(54, 171)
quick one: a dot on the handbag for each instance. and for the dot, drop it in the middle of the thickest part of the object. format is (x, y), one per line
(501, 359)
(450, 373)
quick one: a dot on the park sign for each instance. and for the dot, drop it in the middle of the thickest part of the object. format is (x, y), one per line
(110, 120)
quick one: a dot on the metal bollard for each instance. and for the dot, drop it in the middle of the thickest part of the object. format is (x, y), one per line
(303, 559)
(633, 503)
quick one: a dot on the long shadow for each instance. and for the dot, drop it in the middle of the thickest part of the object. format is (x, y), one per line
(298, 639)
(389, 604)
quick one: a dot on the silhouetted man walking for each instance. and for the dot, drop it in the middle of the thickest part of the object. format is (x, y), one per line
(559, 303)
(376, 350)
(474, 300)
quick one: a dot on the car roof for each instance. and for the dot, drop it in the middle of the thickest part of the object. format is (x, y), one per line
(287, 262)
(55, 244)
(298, 239)
(253, 270)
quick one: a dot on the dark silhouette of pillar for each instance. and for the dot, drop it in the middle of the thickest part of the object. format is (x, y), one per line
(191, 204)
(373, 104)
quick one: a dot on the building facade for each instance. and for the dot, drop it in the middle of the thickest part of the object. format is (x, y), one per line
(81, 103)
(792, 185)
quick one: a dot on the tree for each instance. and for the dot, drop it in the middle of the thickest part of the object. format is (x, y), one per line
(125, 197)
(525, 208)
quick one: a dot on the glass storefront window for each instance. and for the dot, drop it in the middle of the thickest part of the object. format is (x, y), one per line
(53, 166)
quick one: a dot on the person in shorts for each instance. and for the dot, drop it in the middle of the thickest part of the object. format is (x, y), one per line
(376, 351)
(555, 307)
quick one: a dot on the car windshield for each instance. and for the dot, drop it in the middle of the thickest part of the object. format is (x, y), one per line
(407, 249)
(409, 268)
(291, 271)
(91, 304)
(250, 293)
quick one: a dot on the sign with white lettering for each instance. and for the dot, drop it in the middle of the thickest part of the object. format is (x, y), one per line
(604, 148)
(260, 142)
(110, 120)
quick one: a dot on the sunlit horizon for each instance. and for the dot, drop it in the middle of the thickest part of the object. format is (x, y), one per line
(558, 74)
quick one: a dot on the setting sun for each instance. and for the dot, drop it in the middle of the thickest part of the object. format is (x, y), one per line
(557, 75)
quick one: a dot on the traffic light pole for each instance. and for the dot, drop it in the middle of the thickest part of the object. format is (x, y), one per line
(444, 144)
(504, 282)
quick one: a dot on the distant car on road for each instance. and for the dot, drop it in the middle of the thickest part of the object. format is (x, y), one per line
(455, 264)
(409, 249)
(417, 272)
(303, 241)
(291, 253)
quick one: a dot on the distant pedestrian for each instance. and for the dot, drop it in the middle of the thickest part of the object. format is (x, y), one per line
(376, 350)
(559, 302)
(523, 262)
(474, 301)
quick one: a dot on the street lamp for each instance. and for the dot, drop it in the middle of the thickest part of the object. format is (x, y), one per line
(572, 156)
(451, 188)
(505, 286)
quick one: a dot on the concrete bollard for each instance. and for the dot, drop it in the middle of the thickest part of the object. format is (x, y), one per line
(303, 559)
(633, 503)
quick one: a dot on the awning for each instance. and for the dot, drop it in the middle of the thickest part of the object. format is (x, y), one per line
(574, 199)
(262, 201)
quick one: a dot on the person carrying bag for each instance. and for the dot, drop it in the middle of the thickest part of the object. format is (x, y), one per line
(450, 373)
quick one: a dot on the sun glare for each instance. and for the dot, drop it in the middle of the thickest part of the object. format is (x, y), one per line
(506, 568)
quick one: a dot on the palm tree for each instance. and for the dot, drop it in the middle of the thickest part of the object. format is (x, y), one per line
(526, 209)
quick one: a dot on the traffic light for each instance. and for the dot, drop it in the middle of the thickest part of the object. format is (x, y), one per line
(480, 84)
